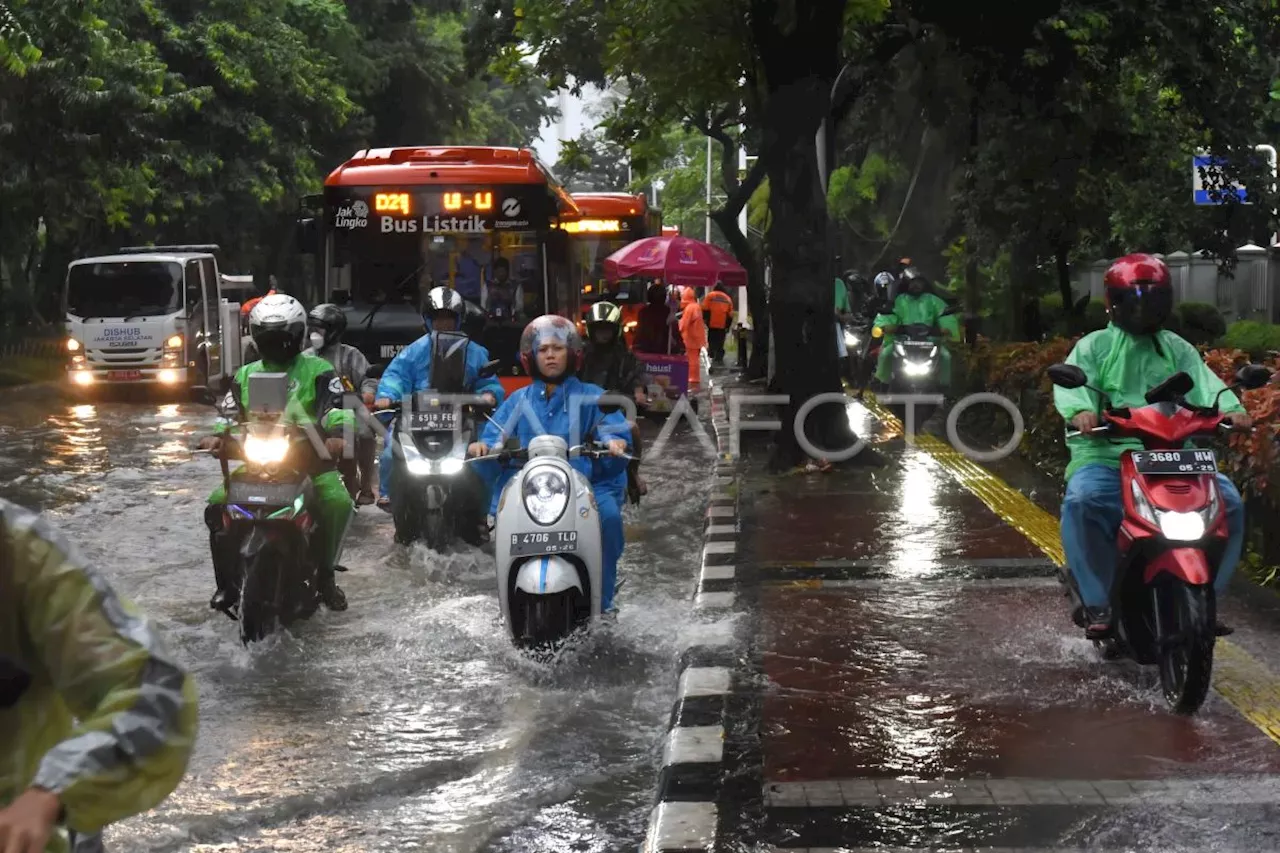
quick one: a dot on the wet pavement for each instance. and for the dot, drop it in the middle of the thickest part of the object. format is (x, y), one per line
(406, 723)
(921, 685)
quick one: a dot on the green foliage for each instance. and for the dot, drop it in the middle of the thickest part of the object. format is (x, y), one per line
(127, 121)
(1200, 323)
(854, 193)
(1055, 321)
(592, 163)
(1257, 339)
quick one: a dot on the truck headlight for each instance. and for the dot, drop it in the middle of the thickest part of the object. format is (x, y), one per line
(73, 345)
(261, 450)
(174, 342)
(546, 494)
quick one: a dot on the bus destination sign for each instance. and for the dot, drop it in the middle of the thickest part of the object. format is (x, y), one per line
(442, 211)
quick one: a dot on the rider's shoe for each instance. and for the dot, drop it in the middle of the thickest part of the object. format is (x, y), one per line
(223, 600)
(330, 593)
(1097, 623)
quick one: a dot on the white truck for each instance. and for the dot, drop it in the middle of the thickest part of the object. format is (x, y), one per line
(150, 315)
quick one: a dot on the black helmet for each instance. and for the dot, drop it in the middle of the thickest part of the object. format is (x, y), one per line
(329, 320)
(278, 325)
(913, 281)
(445, 299)
(604, 315)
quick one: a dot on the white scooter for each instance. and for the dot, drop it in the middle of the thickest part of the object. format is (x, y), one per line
(547, 544)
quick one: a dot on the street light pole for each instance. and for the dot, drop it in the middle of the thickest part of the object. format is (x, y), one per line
(708, 234)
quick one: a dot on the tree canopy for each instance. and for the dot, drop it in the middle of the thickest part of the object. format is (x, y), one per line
(177, 121)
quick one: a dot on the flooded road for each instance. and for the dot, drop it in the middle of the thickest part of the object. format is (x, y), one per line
(406, 723)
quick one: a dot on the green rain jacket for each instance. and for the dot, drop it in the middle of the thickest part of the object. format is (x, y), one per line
(315, 395)
(1126, 366)
(925, 308)
(107, 719)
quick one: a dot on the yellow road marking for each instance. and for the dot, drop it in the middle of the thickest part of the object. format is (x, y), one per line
(1246, 684)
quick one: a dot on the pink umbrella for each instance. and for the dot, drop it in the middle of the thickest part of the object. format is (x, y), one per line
(676, 260)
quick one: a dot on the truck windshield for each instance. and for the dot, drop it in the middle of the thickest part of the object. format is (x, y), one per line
(124, 289)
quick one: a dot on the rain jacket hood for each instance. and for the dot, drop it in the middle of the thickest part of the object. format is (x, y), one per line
(1125, 367)
(108, 719)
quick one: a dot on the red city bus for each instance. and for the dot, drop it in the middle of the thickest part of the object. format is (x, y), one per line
(607, 223)
(397, 222)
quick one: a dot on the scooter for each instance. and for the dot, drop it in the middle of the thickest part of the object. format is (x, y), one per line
(547, 545)
(1173, 534)
(436, 497)
(270, 531)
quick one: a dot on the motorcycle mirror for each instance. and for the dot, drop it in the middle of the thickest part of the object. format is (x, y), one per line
(1253, 376)
(1177, 385)
(1067, 376)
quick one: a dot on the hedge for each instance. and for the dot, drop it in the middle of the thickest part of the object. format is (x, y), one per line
(1017, 372)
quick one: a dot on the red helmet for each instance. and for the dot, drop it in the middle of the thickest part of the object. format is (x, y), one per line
(1139, 293)
(550, 327)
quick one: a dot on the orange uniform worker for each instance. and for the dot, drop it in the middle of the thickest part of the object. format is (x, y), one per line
(717, 306)
(693, 330)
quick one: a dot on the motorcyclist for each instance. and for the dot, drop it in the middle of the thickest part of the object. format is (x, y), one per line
(97, 721)
(915, 304)
(325, 326)
(279, 328)
(608, 363)
(1124, 360)
(410, 371)
(551, 350)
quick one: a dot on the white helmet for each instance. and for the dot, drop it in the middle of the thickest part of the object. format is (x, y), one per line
(278, 326)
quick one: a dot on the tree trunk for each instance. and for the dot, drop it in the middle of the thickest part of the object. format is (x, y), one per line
(802, 304)
(757, 302)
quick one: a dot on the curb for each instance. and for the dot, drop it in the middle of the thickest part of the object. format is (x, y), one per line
(686, 815)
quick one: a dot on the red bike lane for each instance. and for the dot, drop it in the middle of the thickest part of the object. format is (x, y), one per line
(921, 685)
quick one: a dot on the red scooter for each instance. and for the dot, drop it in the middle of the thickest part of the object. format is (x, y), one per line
(1173, 534)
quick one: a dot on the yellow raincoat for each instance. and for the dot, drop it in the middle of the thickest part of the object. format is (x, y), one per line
(107, 719)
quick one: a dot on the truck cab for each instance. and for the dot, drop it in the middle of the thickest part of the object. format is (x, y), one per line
(150, 315)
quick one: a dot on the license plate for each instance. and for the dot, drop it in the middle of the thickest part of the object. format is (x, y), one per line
(1175, 462)
(262, 494)
(391, 350)
(123, 375)
(435, 420)
(527, 544)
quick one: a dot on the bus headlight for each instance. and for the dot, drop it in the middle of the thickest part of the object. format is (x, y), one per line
(546, 494)
(261, 450)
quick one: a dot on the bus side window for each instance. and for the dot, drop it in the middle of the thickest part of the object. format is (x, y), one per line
(194, 291)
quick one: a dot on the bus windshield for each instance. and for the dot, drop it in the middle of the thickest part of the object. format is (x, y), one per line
(500, 271)
(124, 289)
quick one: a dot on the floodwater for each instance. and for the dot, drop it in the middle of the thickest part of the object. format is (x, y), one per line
(405, 723)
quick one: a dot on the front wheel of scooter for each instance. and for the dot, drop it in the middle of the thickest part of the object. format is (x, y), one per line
(1186, 619)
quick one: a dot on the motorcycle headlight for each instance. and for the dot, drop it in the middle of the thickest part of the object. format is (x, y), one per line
(546, 494)
(1141, 504)
(418, 467)
(911, 368)
(263, 450)
(850, 339)
(449, 467)
(899, 349)
(1182, 526)
(933, 351)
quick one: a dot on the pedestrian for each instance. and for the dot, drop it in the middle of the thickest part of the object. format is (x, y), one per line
(693, 331)
(97, 721)
(717, 308)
